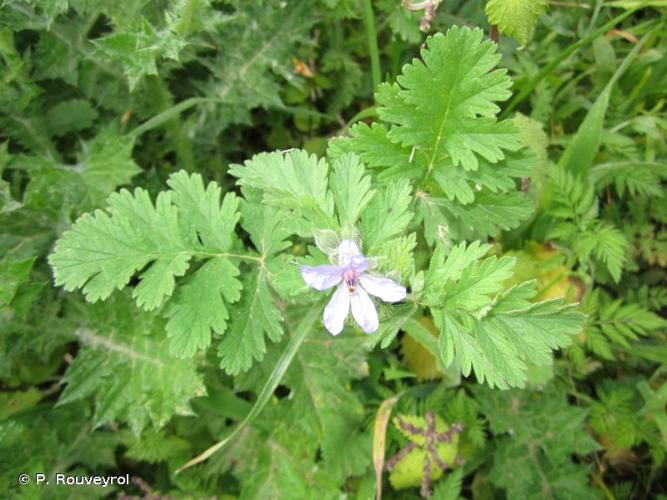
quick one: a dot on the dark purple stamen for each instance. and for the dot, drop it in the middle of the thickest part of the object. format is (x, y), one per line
(350, 276)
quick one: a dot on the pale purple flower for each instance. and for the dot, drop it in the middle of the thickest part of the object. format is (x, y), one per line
(354, 285)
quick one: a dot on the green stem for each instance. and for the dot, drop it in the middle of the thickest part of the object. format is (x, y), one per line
(597, 479)
(596, 13)
(269, 388)
(168, 114)
(163, 99)
(369, 22)
(548, 69)
(569, 4)
(232, 255)
(582, 396)
(361, 115)
(175, 110)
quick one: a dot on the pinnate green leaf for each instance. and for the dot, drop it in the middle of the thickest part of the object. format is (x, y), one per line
(445, 106)
(295, 181)
(204, 218)
(493, 333)
(256, 315)
(440, 131)
(609, 246)
(387, 216)
(157, 242)
(198, 307)
(105, 249)
(351, 189)
(615, 322)
(636, 178)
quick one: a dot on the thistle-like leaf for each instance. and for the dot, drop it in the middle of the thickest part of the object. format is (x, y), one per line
(126, 363)
(537, 434)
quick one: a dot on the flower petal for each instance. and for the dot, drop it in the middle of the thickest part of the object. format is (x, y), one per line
(321, 277)
(336, 310)
(349, 256)
(363, 311)
(386, 289)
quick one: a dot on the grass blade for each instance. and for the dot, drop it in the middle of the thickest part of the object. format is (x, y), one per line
(548, 69)
(581, 151)
(379, 440)
(269, 387)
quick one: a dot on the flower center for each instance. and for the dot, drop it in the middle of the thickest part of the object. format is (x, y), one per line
(350, 276)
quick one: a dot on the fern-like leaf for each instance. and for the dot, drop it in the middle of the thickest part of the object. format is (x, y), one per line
(256, 315)
(496, 335)
(616, 323)
(104, 250)
(295, 181)
(440, 129)
(445, 106)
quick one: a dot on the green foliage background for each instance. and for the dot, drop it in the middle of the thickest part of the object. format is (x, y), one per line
(165, 166)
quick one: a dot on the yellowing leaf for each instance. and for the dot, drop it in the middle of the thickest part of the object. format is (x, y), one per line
(419, 359)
